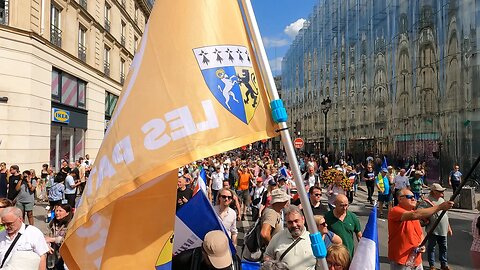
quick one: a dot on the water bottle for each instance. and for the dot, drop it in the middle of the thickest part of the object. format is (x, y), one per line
(49, 216)
(51, 260)
(411, 258)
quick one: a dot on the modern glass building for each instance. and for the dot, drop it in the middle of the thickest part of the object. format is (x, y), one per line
(403, 77)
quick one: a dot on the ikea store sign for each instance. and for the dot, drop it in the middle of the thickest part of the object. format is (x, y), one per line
(61, 116)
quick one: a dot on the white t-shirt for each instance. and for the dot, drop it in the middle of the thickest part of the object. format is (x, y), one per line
(32, 239)
(401, 182)
(69, 182)
(256, 193)
(310, 181)
(217, 180)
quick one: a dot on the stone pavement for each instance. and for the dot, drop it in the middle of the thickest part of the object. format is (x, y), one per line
(39, 214)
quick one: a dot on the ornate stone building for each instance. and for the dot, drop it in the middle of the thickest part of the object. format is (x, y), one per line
(403, 77)
(62, 67)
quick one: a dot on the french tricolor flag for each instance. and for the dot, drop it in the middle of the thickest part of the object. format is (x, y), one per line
(285, 172)
(201, 182)
(366, 255)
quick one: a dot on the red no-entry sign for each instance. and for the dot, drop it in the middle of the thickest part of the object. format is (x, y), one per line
(298, 143)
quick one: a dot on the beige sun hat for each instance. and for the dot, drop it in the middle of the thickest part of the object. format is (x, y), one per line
(279, 195)
(437, 187)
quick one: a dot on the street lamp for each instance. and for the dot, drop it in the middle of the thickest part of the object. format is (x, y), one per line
(325, 106)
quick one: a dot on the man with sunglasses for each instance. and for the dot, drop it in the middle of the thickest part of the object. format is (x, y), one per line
(226, 214)
(404, 231)
(440, 233)
(315, 201)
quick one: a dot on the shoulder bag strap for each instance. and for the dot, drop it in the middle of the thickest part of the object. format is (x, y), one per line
(289, 248)
(330, 235)
(11, 247)
(429, 202)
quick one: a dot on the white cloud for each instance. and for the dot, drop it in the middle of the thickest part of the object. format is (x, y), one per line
(272, 42)
(292, 29)
(276, 65)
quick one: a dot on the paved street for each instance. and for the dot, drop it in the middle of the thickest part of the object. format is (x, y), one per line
(458, 244)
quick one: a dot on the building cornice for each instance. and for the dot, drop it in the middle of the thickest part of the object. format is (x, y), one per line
(46, 43)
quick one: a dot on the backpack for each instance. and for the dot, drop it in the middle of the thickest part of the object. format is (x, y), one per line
(259, 199)
(253, 243)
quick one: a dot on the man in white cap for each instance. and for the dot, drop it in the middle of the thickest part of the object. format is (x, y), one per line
(271, 217)
(214, 254)
(440, 233)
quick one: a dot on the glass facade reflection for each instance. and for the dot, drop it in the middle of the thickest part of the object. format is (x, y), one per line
(403, 76)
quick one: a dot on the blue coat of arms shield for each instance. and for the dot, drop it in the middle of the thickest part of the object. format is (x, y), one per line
(228, 73)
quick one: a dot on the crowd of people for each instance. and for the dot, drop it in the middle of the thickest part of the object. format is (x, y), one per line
(22, 245)
(253, 183)
(250, 184)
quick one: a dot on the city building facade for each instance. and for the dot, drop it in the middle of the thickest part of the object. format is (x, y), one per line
(403, 77)
(62, 67)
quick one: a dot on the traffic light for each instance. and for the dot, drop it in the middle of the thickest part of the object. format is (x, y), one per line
(297, 127)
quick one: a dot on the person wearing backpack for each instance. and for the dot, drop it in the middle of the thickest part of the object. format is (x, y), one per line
(256, 194)
(271, 216)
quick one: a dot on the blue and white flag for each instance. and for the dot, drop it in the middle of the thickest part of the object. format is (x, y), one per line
(201, 182)
(384, 163)
(366, 255)
(193, 221)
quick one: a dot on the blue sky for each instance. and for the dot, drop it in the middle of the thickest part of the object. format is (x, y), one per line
(279, 22)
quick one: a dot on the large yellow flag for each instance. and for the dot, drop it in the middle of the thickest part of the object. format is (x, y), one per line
(194, 90)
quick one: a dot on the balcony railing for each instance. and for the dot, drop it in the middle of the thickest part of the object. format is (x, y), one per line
(107, 25)
(106, 68)
(83, 3)
(55, 35)
(122, 40)
(2, 16)
(82, 52)
(122, 77)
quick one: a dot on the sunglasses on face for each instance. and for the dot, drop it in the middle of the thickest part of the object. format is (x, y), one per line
(408, 196)
(225, 197)
(317, 194)
(324, 224)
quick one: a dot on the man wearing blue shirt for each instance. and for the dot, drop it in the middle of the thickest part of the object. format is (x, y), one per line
(455, 177)
(383, 187)
(71, 183)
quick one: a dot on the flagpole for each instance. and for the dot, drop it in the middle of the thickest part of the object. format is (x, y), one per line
(280, 116)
